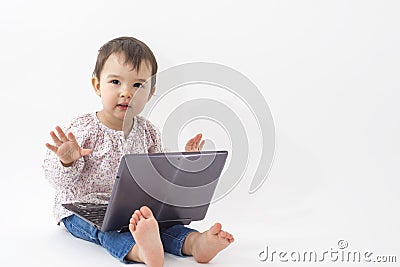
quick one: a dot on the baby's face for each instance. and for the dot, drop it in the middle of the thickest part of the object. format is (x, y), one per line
(122, 89)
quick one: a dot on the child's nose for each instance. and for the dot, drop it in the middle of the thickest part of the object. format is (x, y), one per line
(127, 92)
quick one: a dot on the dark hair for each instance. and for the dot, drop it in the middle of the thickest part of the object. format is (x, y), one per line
(134, 52)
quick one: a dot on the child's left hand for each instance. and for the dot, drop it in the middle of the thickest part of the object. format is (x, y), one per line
(194, 144)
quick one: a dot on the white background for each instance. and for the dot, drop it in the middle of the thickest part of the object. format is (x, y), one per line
(329, 71)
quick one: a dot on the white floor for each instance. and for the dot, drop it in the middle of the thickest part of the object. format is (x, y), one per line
(300, 217)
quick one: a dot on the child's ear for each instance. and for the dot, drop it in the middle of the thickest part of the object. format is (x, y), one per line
(96, 85)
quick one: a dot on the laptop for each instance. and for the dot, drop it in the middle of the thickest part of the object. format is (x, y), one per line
(177, 186)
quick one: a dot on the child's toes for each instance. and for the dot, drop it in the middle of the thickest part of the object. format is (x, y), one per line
(137, 215)
(222, 234)
(146, 212)
(132, 227)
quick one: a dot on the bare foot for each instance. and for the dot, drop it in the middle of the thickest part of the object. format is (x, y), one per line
(205, 246)
(148, 247)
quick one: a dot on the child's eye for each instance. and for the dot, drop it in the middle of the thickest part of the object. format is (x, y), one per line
(138, 85)
(115, 82)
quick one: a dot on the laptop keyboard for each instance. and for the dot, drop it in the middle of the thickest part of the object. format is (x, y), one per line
(92, 212)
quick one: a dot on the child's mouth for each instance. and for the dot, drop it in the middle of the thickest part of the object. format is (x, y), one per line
(123, 106)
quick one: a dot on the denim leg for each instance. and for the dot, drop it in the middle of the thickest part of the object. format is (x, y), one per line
(173, 238)
(81, 229)
(117, 244)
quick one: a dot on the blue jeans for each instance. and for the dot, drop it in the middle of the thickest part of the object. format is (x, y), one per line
(119, 244)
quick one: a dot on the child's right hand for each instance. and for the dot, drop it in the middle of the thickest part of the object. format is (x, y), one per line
(66, 148)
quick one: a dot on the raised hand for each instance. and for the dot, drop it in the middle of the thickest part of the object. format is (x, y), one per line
(194, 144)
(66, 147)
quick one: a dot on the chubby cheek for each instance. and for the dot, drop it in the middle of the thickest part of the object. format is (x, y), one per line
(108, 99)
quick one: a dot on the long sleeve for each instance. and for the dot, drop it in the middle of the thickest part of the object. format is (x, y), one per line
(61, 177)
